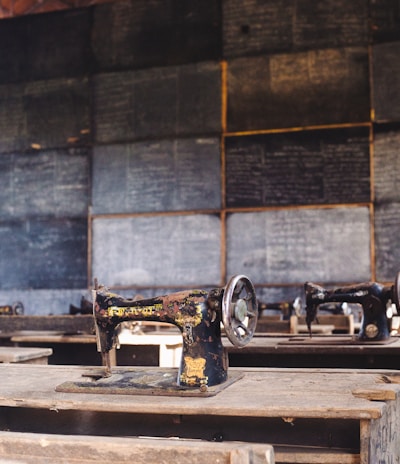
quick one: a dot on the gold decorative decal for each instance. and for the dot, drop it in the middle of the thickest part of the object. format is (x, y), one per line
(194, 371)
(144, 311)
(184, 319)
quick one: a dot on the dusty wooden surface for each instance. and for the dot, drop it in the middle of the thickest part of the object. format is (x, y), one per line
(259, 393)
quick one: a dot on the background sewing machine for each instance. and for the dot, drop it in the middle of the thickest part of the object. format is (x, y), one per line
(14, 309)
(198, 314)
(286, 308)
(374, 298)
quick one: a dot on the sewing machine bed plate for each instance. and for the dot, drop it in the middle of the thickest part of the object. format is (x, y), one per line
(141, 381)
(334, 340)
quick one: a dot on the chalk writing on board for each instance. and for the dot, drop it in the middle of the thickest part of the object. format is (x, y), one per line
(157, 176)
(386, 163)
(145, 33)
(308, 167)
(285, 26)
(298, 89)
(293, 246)
(43, 253)
(157, 102)
(57, 112)
(386, 81)
(51, 183)
(158, 250)
(387, 244)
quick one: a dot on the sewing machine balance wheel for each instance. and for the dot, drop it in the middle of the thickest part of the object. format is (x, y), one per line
(396, 292)
(239, 310)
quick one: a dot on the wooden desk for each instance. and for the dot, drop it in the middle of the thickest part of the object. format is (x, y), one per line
(308, 415)
(11, 354)
(296, 351)
(169, 345)
(159, 348)
(276, 325)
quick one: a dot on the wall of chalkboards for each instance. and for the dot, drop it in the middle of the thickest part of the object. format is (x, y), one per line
(156, 145)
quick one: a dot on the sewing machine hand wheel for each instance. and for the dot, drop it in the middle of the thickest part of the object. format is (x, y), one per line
(18, 308)
(239, 310)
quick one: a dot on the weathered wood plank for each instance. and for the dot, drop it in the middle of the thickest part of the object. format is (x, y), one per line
(14, 354)
(57, 449)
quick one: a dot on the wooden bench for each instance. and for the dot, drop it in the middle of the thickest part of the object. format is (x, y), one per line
(25, 355)
(31, 448)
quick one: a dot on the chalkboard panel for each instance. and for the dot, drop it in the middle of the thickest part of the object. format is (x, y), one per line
(387, 241)
(44, 114)
(386, 81)
(158, 102)
(12, 118)
(156, 251)
(147, 33)
(13, 51)
(58, 44)
(52, 183)
(385, 20)
(57, 112)
(386, 163)
(43, 253)
(301, 89)
(295, 168)
(160, 176)
(282, 26)
(293, 246)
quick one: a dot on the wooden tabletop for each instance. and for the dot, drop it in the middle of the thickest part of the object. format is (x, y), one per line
(261, 392)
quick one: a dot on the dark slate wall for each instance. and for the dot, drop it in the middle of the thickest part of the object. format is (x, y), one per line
(161, 144)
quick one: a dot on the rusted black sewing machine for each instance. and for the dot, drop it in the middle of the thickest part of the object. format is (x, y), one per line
(198, 314)
(15, 309)
(373, 297)
(86, 307)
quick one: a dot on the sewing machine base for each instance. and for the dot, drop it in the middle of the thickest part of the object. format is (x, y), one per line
(145, 381)
(335, 340)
